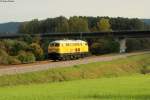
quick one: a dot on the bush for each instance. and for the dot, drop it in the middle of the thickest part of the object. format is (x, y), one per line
(13, 60)
(95, 48)
(26, 57)
(12, 47)
(18, 46)
(6, 59)
(103, 46)
(3, 57)
(2, 45)
(27, 38)
(7, 45)
(37, 51)
(13, 51)
(45, 44)
(138, 44)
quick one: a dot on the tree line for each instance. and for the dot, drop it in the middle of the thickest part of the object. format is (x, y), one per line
(82, 24)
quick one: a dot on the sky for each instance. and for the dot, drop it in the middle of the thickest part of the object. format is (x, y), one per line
(25, 10)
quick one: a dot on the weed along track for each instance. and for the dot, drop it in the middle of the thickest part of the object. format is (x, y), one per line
(44, 65)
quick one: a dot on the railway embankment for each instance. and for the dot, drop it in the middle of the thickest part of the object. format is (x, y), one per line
(125, 66)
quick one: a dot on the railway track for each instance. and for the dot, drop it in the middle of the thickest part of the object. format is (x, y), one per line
(44, 65)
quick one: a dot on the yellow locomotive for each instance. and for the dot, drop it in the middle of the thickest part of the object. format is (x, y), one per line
(67, 49)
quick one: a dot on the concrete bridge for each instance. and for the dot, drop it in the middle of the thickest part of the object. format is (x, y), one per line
(120, 36)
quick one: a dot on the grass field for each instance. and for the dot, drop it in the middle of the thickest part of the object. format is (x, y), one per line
(122, 67)
(121, 88)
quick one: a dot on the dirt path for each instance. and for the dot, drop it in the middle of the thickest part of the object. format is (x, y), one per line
(14, 69)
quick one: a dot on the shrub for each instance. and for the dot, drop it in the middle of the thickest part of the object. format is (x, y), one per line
(27, 38)
(7, 45)
(18, 46)
(95, 48)
(103, 46)
(12, 47)
(3, 57)
(6, 59)
(45, 44)
(138, 44)
(37, 51)
(2, 45)
(13, 60)
(26, 57)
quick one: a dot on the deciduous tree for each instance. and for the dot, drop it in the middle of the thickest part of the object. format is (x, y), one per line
(104, 25)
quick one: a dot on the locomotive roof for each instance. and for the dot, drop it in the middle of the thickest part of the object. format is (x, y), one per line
(68, 41)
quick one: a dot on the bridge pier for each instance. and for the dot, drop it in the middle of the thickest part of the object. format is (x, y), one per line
(122, 42)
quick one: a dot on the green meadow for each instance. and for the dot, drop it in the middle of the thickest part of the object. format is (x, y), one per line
(121, 88)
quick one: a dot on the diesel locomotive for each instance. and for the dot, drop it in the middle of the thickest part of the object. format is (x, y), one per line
(67, 49)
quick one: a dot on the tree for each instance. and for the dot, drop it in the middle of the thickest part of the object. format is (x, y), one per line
(23, 27)
(136, 24)
(48, 25)
(62, 24)
(92, 23)
(31, 27)
(78, 24)
(104, 25)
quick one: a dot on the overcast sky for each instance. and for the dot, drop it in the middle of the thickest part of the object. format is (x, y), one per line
(23, 10)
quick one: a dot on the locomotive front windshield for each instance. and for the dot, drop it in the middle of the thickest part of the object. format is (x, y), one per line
(54, 44)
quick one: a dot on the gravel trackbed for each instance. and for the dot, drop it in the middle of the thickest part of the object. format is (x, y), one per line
(44, 65)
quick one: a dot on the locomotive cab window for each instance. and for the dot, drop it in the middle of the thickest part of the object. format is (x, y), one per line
(52, 44)
(57, 44)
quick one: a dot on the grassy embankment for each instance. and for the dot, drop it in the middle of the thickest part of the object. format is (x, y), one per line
(125, 66)
(121, 88)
